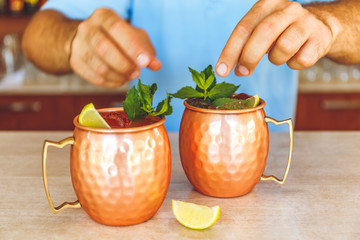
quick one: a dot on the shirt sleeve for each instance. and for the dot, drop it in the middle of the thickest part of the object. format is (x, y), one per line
(82, 9)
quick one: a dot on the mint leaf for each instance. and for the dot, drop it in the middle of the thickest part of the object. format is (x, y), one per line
(202, 74)
(187, 92)
(146, 96)
(209, 81)
(153, 89)
(198, 79)
(163, 108)
(209, 76)
(208, 71)
(221, 101)
(132, 105)
(212, 85)
(222, 90)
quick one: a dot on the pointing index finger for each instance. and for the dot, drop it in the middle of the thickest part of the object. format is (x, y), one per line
(241, 33)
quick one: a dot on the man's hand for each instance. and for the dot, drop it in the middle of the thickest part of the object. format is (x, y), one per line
(107, 51)
(285, 30)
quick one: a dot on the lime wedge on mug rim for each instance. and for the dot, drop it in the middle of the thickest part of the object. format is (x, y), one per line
(252, 101)
(90, 117)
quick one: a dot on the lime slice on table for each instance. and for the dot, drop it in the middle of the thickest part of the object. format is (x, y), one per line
(195, 216)
(252, 101)
(90, 117)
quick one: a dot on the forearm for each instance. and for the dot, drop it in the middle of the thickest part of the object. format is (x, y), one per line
(47, 41)
(343, 18)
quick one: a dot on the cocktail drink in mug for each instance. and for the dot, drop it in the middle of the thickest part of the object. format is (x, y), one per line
(121, 170)
(224, 137)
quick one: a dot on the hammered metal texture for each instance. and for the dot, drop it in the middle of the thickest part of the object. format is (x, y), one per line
(223, 154)
(121, 178)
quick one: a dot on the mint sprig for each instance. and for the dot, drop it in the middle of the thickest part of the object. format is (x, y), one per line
(132, 105)
(146, 96)
(139, 102)
(206, 87)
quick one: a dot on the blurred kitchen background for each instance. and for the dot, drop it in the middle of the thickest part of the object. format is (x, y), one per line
(328, 97)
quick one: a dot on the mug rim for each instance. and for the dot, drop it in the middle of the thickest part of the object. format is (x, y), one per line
(217, 111)
(117, 130)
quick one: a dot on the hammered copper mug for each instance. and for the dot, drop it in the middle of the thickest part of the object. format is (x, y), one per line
(120, 176)
(224, 152)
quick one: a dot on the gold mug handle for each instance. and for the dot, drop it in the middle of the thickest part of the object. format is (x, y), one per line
(61, 144)
(291, 132)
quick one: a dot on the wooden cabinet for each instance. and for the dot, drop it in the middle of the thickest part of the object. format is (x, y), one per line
(315, 111)
(13, 24)
(328, 111)
(48, 112)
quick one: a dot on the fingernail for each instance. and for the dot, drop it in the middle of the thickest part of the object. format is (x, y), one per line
(221, 69)
(135, 75)
(157, 61)
(155, 64)
(102, 69)
(99, 81)
(143, 60)
(243, 70)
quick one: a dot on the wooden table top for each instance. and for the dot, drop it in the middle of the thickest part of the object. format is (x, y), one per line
(320, 200)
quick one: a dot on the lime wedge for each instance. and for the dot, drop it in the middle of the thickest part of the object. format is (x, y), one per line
(238, 104)
(195, 216)
(90, 117)
(252, 101)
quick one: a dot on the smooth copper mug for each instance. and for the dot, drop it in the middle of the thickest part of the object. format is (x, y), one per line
(224, 152)
(120, 176)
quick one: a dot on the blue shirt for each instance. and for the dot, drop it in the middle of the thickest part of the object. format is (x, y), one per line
(193, 33)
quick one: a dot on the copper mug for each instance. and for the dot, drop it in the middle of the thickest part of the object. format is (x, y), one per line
(120, 176)
(224, 152)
